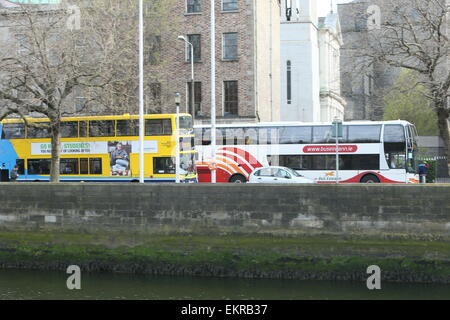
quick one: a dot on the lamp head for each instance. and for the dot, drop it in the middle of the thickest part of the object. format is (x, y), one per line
(177, 98)
(337, 120)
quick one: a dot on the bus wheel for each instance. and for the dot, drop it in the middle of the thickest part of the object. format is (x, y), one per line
(134, 181)
(238, 178)
(370, 178)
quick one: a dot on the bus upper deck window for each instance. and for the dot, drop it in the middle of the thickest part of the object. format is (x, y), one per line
(69, 129)
(83, 129)
(158, 127)
(39, 132)
(127, 128)
(101, 128)
(13, 131)
(186, 122)
(394, 138)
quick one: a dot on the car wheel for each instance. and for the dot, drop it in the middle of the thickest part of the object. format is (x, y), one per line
(238, 179)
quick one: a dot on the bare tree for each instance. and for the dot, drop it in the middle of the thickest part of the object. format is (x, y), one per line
(52, 55)
(116, 39)
(40, 68)
(414, 34)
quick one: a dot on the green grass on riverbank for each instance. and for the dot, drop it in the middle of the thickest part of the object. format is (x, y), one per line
(307, 257)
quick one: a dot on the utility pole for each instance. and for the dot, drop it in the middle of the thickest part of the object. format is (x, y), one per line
(177, 137)
(141, 92)
(337, 133)
(192, 74)
(213, 91)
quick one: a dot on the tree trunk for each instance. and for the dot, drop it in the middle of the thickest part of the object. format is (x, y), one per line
(444, 132)
(56, 151)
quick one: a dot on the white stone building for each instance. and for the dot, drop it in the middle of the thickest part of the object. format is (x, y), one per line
(310, 73)
(332, 104)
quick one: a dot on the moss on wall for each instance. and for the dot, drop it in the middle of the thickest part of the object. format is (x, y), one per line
(309, 257)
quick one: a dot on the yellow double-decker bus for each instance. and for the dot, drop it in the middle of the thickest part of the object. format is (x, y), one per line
(101, 148)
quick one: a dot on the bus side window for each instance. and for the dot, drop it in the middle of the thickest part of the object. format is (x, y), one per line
(127, 128)
(69, 129)
(83, 129)
(163, 165)
(206, 137)
(69, 166)
(251, 136)
(39, 166)
(84, 166)
(394, 139)
(39, 133)
(158, 127)
(20, 163)
(322, 134)
(13, 131)
(95, 166)
(101, 128)
(198, 136)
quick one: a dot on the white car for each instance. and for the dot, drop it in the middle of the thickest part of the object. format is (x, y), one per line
(277, 175)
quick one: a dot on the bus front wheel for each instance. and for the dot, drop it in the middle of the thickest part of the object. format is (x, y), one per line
(238, 178)
(370, 178)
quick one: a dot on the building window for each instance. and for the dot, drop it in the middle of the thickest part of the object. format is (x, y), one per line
(230, 5)
(289, 82)
(231, 101)
(153, 49)
(194, 6)
(230, 46)
(155, 103)
(361, 22)
(195, 39)
(197, 97)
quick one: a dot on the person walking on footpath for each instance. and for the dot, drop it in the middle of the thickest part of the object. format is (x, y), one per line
(14, 174)
(423, 171)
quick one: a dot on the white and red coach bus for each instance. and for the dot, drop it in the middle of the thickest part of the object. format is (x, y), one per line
(369, 152)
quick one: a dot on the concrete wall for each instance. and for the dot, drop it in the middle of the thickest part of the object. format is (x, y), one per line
(249, 208)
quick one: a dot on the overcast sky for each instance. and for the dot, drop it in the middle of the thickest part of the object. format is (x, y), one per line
(324, 6)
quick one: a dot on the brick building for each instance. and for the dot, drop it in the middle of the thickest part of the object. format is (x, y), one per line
(247, 59)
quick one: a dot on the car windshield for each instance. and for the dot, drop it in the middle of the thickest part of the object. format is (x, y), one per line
(293, 172)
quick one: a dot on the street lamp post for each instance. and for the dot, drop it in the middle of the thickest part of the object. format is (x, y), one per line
(337, 133)
(141, 92)
(213, 91)
(177, 143)
(192, 74)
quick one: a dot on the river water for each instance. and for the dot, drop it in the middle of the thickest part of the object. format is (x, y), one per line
(23, 284)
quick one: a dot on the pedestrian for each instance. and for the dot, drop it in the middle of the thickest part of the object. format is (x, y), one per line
(14, 173)
(423, 171)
